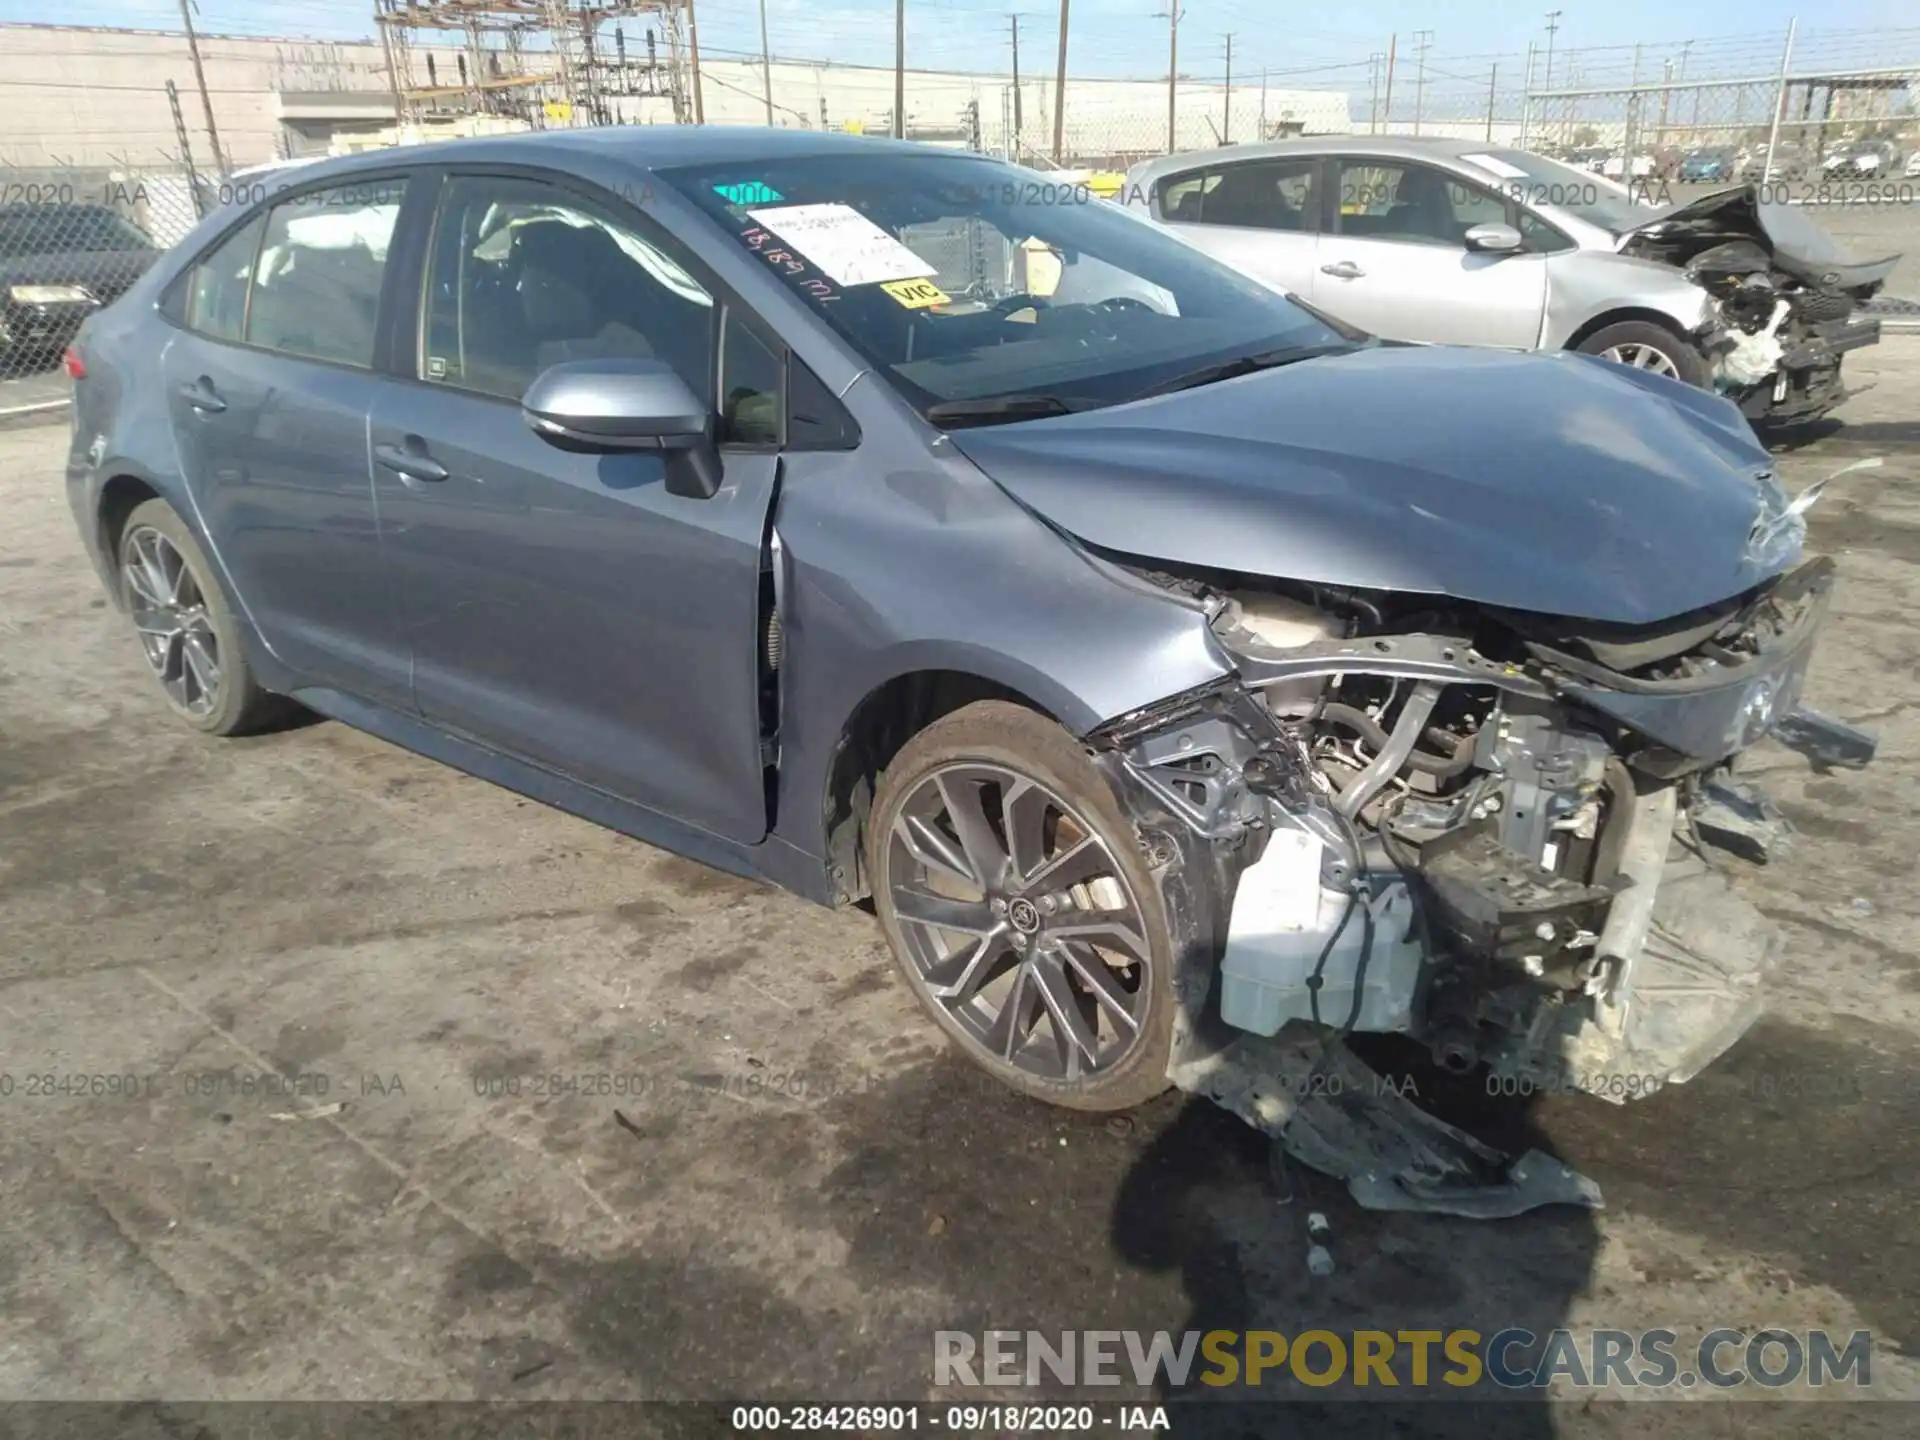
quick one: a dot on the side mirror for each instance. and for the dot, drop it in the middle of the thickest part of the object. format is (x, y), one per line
(611, 406)
(1494, 238)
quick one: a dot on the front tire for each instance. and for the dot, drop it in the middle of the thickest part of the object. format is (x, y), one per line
(186, 627)
(1643, 345)
(1019, 907)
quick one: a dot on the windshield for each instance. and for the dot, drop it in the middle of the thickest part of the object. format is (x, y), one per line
(963, 279)
(1536, 180)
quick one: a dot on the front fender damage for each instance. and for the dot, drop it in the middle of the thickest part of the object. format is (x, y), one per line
(1502, 858)
(1303, 1087)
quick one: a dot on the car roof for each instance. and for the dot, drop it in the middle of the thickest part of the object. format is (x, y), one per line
(1391, 147)
(644, 147)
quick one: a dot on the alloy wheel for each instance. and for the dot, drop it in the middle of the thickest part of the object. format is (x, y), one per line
(1642, 357)
(1019, 922)
(170, 614)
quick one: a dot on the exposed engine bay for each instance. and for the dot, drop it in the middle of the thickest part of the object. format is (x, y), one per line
(1497, 832)
(1784, 293)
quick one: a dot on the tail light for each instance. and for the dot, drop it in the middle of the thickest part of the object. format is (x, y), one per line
(75, 367)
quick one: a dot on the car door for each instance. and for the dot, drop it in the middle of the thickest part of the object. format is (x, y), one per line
(270, 381)
(564, 607)
(1256, 215)
(1394, 259)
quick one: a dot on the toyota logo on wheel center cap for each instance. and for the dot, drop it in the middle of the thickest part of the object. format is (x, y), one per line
(1024, 916)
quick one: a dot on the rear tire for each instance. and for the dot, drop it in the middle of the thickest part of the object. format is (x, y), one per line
(1055, 974)
(186, 627)
(1643, 345)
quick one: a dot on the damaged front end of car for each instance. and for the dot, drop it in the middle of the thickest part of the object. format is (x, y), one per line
(1490, 830)
(1785, 298)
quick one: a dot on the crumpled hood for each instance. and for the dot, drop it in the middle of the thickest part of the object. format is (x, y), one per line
(1798, 243)
(1553, 483)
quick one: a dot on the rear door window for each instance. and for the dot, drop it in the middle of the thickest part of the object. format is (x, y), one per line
(217, 288)
(316, 286)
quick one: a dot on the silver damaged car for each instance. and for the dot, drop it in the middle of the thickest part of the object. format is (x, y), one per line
(1453, 242)
(860, 517)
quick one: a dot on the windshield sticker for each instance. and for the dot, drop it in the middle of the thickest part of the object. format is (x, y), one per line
(848, 248)
(916, 294)
(748, 192)
(1496, 166)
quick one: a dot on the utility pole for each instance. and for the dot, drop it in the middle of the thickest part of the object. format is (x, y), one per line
(1014, 20)
(1226, 112)
(1493, 80)
(1693, 126)
(899, 69)
(1526, 101)
(1373, 91)
(1172, 13)
(1422, 39)
(1631, 141)
(1779, 107)
(186, 153)
(1386, 103)
(200, 78)
(766, 62)
(1060, 91)
(1553, 25)
(693, 44)
(393, 72)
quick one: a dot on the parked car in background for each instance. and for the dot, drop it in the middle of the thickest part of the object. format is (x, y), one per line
(1700, 167)
(1790, 162)
(59, 263)
(1454, 242)
(1591, 158)
(1616, 167)
(1912, 172)
(1870, 159)
(867, 518)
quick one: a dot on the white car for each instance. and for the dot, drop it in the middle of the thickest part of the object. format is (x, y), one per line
(1614, 168)
(1913, 166)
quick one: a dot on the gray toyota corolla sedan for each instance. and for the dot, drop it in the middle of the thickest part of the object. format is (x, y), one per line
(1189, 680)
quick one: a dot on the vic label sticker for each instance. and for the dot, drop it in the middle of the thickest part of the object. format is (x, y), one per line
(916, 294)
(849, 248)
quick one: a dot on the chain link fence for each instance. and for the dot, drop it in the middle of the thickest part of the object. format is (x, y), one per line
(74, 238)
(1842, 137)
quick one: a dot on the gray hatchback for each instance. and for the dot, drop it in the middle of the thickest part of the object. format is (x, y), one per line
(1189, 679)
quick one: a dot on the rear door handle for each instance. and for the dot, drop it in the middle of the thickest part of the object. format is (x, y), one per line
(201, 395)
(1345, 270)
(414, 464)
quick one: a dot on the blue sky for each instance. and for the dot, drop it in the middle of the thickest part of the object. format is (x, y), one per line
(1127, 37)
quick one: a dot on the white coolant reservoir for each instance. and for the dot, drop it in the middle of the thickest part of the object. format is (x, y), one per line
(1279, 623)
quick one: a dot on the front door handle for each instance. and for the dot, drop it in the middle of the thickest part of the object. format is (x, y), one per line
(409, 461)
(1345, 270)
(201, 395)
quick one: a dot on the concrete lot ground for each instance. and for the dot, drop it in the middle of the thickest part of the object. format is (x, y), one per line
(210, 918)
